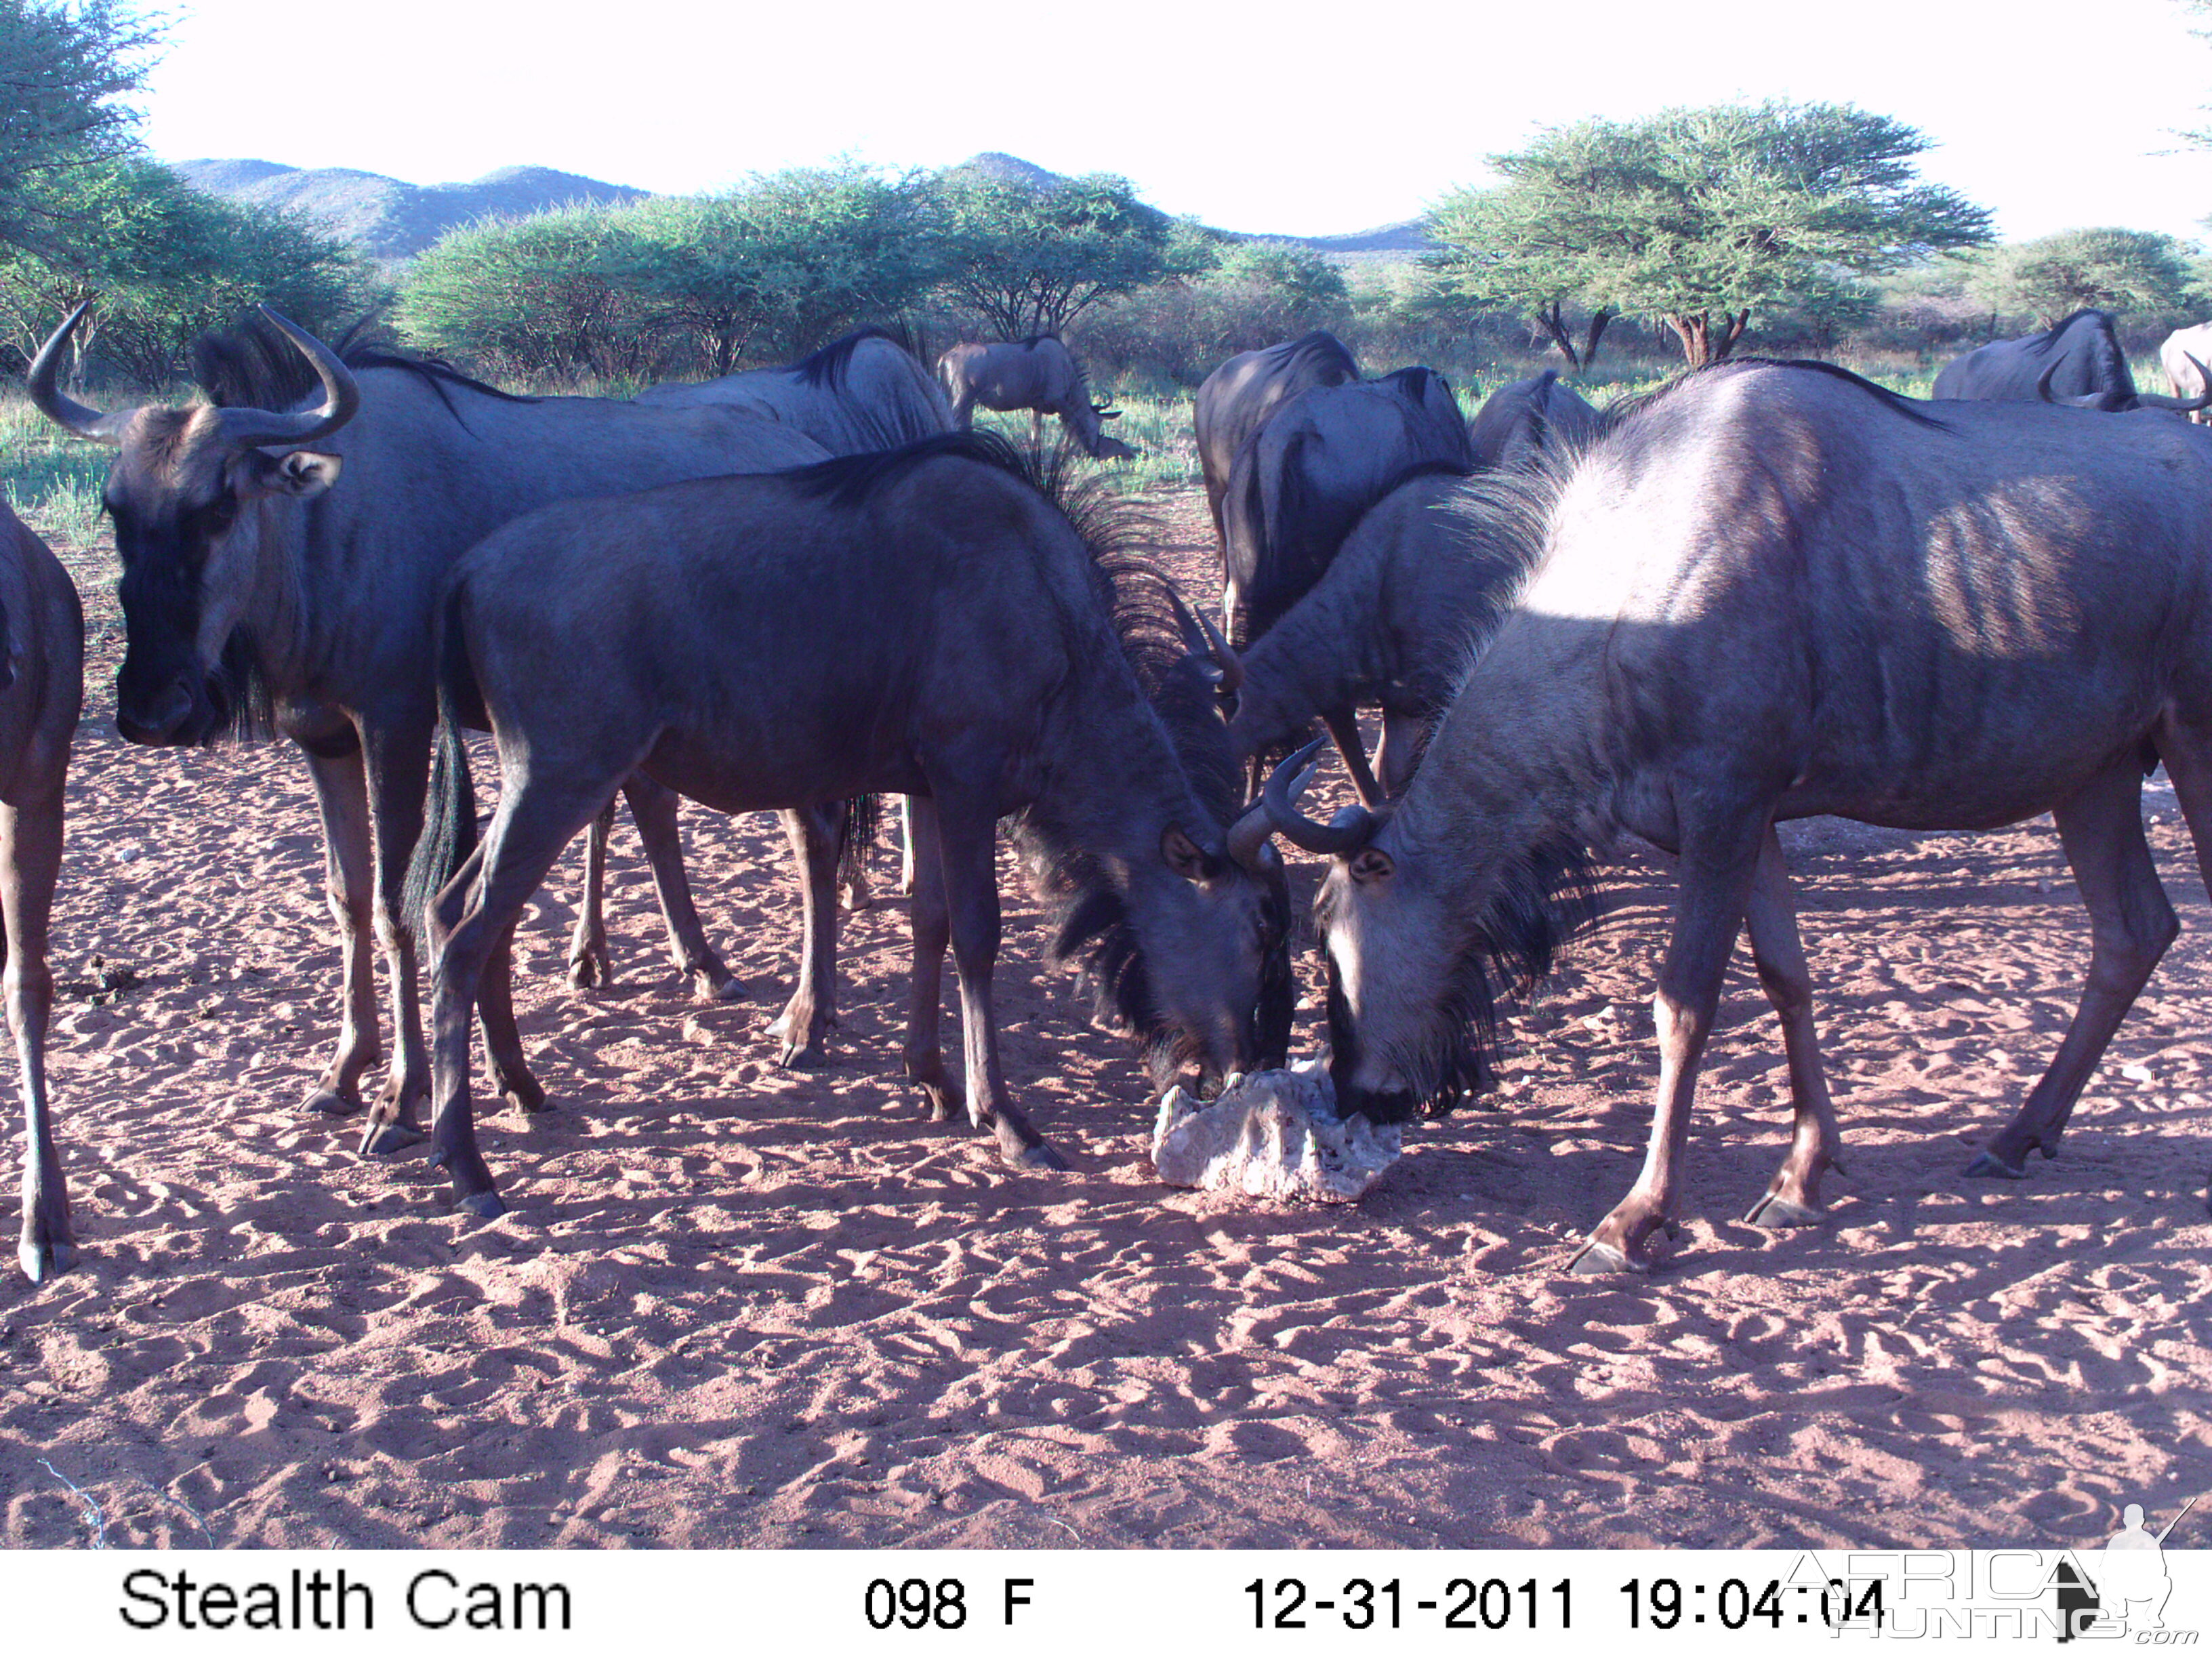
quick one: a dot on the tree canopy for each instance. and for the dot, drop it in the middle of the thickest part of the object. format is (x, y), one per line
(2114, 268)
(1033, 256)
(1699, 218)
(64, 71)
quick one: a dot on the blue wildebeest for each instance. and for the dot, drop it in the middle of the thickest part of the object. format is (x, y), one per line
(2079, 361)
(253, 574)
(1778, 591)
(1386, 625)
(864, 391)
(1300, 484)
(41, 687)
(1235, 401)
(1520, 422)
(1039, 374)
(925, 623)
(2183, 356)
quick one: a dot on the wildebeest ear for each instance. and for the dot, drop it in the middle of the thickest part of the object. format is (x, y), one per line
(1371, 864)
(300, 473)
(1184, 856)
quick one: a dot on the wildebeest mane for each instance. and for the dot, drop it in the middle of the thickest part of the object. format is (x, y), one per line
(2042, 344)
(1622, 409)
(1318, 351)
(253, 366)
(855, 480)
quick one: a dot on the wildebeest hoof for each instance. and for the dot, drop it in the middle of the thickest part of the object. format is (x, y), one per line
(584, 972)
(1775, 1211)
(380, 1140)
(725, 986)
(524, 1094)
(329, 1102)
(802, 1057)
(1990, 1164)
(856, 899)
(43, 1258)
(1039, 1157)
(1596, 1258)
(484, 1206)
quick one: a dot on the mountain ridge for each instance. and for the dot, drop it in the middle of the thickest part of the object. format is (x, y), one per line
(391, 219)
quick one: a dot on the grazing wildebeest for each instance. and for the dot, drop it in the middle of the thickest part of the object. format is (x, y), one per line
(1777, 590)
(41, 687)
(2078, 360)
(2183, 356)
(1387, 624)
(923, 622)
(1520, 422)
(1235, 401)
(253, 576)
(1039, 374)
(864, 391)
(1302, 481)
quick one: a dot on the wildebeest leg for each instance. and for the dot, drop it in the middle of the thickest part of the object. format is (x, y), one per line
(30, 857)
(588, 962)
(1343, 725)
(930, 924)
(805, 1022)
(2188, 757)
(510, 1069)
(342, 796)
(853, 873)
(471, 919)
(2101, 826)
(1793, 1198)
(907, 864)
(397, 759)
(967, 846)
(653, 808)
(1715, 869)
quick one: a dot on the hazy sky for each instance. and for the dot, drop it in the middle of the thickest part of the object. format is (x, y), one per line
(1284, 117)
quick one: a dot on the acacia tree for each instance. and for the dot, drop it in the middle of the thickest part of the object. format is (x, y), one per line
(63, 69)
(1699, 217)
(1032, 257)
(2055, 276)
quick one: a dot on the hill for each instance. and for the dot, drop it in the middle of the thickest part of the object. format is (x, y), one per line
(389, 218)
(393, 219)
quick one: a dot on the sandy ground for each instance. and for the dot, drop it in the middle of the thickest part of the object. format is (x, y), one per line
(734, 1305)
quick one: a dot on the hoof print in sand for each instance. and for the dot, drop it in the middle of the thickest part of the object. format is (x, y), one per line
(1272, 1134)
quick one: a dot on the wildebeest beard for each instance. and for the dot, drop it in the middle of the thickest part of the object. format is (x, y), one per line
(1538, 907)
(161, 601)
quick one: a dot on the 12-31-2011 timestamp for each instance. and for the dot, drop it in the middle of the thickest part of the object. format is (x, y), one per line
(1387, 1604)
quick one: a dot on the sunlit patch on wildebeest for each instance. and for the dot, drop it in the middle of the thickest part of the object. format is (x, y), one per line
(1040, 374)
(282, 548)
(41, 688)
(925, 623)
(1773, 591)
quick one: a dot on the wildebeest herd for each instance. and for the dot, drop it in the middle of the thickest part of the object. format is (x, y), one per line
(1769, 591)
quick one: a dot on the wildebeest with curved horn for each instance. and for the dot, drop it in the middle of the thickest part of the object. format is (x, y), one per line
(1040, 374)
(1235, 401)
(923, 622)
(864, 391)
(1778, 591)
(2078, 360)
(2183, 356)
(1522, 422)
(1304, 479)
(1386, 625)
(41, 688)
(253, 573)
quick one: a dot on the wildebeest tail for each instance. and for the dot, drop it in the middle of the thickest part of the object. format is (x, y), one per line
(864, 816)
(449, 818)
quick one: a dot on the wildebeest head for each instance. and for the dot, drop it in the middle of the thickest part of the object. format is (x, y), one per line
(184, 494)
(1421, 942)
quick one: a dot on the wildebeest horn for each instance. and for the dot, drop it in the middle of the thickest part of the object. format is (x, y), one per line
(1348, 831)
(1201, 639)
(2185, 405)
(258, 428)
(1248, 840)
(58, 405)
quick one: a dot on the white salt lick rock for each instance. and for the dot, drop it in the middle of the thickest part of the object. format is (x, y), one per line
(1272, 1134)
